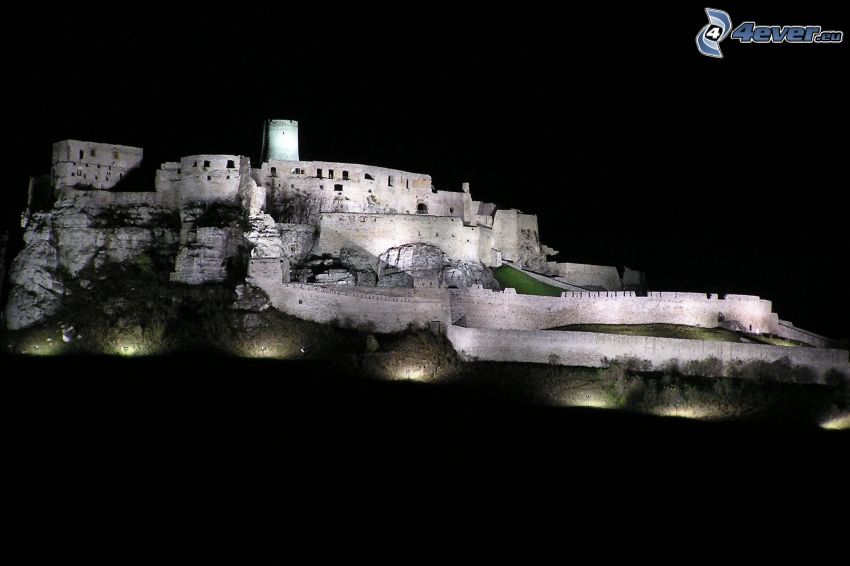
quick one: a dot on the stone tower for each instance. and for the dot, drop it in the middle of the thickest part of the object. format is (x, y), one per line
(280, 140)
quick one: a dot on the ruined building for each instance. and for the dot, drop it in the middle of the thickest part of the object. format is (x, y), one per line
(362, 245)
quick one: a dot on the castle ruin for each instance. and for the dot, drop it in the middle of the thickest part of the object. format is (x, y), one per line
(366, 247)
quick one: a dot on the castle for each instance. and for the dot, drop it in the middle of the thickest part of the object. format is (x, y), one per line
(365, 247)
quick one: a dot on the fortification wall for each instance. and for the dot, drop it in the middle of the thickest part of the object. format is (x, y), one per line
(595, 349)
(375, 233)
(379, 312)
(350, 187)
(492, 309)
(584, 275)
(528, 237)
(516, 235)
(505, 234)
(204, 178)
(96, 165)
(787, 330)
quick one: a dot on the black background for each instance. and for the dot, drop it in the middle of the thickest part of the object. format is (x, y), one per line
(631, 147)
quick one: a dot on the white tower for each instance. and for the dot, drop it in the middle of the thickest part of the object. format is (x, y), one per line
(280, 140)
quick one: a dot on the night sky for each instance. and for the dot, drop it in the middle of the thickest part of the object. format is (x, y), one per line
(633, 149)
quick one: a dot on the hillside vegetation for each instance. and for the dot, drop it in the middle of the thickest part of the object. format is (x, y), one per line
(508, 276)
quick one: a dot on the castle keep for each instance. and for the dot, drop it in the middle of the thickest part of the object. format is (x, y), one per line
(362, 246)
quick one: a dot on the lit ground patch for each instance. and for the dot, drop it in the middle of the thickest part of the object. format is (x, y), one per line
(658, 330)
(507, 276)
(841, 422)
(776, 341)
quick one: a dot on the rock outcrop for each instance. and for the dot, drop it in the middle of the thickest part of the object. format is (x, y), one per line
(84, 230)
(4, 240)
(263, 236)
(462, 274)
(35, 279)
(204, 258)
(404, 265)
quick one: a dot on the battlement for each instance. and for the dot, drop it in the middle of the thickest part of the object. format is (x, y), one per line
(486, 308)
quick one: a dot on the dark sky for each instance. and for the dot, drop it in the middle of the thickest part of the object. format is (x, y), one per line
(726, 175)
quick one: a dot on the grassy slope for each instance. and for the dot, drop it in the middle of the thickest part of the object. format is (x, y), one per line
(659, 330)
(507, 276)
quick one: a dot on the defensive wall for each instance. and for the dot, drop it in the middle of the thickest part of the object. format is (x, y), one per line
(597, 350)
(202, 178)
(97, 165)
(375, 233)
(485, 308)
(584, 275)
(351, 187)
(377, 312)
(787, 330)
(516, 234)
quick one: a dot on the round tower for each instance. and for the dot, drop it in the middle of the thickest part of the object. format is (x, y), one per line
(280, 140)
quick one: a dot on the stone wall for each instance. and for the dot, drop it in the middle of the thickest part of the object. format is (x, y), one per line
(596, 349)
(350, 187)
(97, 165)
(492, 309)
(787, 330)
(517, 236)
(376, 312)
(201, 178)
(280, 140)
(583, 275)
(376, 233)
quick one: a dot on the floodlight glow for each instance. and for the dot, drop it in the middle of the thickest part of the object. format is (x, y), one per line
(593, 399)
(412, 372)
(268, 350)
(43, 349)
(841, 422)
(128, 349)
(696, 412)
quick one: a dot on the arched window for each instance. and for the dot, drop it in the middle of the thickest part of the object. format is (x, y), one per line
(421, 208)
(369, 177)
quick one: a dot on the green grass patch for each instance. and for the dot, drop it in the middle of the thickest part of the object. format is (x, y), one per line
(508, 276)
(659, 331)
(776, 341)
